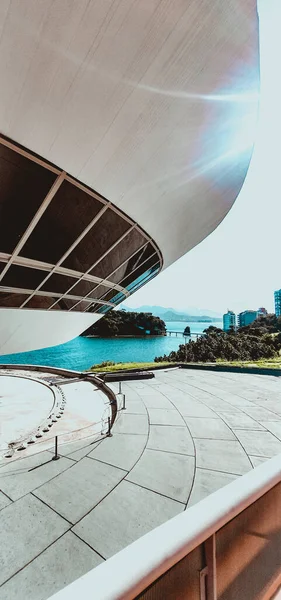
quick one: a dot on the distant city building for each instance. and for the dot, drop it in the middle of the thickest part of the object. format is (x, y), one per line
(229, 320)
(277, 302)
(246, 317)
(262, 312)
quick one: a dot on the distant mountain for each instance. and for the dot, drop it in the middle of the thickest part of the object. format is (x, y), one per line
(199, 312)
(155, 310)
(171, 314)
(158, 311)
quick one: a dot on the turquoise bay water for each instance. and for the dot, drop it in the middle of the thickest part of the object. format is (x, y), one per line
(81, 353)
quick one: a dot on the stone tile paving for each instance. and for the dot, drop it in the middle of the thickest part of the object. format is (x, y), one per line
(27, 527)
(76, 491)
(20, 477)
(151, 472)
(4, 500)
(126, 514)
(68, 554)
(183, 435)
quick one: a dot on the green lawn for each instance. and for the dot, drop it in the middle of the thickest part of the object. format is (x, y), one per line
(107, 367)
(141, 366)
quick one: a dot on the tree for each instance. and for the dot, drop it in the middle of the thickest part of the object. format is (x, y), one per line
(248, 343)
(120, 322)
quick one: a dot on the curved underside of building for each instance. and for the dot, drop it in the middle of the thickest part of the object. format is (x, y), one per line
(126, 135)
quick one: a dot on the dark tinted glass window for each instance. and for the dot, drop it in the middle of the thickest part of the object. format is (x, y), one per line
(102, 309)
(23, 277)
(100, 238)
(58, 283)
(69, 213)
(40, 302)
(119, 254)
(9, 300)
(84, 287)
(142, 279)
(99, 308)
(130, 279)
(119, 297)
(81, 307)
(67, 303)
(114, 296)
(132, 264)
(23, 187)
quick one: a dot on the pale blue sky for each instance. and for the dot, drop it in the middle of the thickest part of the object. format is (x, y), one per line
(238, 265)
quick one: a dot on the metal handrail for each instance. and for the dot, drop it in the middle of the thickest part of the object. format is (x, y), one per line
(141, 563)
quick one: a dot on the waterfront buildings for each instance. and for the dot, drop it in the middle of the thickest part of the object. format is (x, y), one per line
(246, 317)
(277, 303)
(126, 135)
(229, 320)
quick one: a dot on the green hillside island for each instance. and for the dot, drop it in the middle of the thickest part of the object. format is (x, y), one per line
(259, 341)
(123, 323)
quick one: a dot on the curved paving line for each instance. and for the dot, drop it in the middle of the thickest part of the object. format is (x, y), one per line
(238, 396)
(119, 413)
(255, 405)
(239, 409)
(221, 419)
(110, 491)
(189, 432)
(148, 429)
(254, 384)
(216, 395)
(195, 454)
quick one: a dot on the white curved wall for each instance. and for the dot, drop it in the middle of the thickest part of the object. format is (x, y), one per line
(152, 104)
(23, 330)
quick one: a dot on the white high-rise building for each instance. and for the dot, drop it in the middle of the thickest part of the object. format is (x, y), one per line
(246, 317)
(277, 303)
(229, 320)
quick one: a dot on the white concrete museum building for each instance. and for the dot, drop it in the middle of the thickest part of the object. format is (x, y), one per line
(126, 133)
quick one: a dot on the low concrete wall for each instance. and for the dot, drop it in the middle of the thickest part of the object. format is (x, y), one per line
(199, 367)
(45, 369)
(229, 369)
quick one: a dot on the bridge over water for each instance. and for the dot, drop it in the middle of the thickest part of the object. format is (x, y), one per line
(195, 334)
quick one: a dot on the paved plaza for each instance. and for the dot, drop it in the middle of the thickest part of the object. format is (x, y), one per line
(183, 435)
